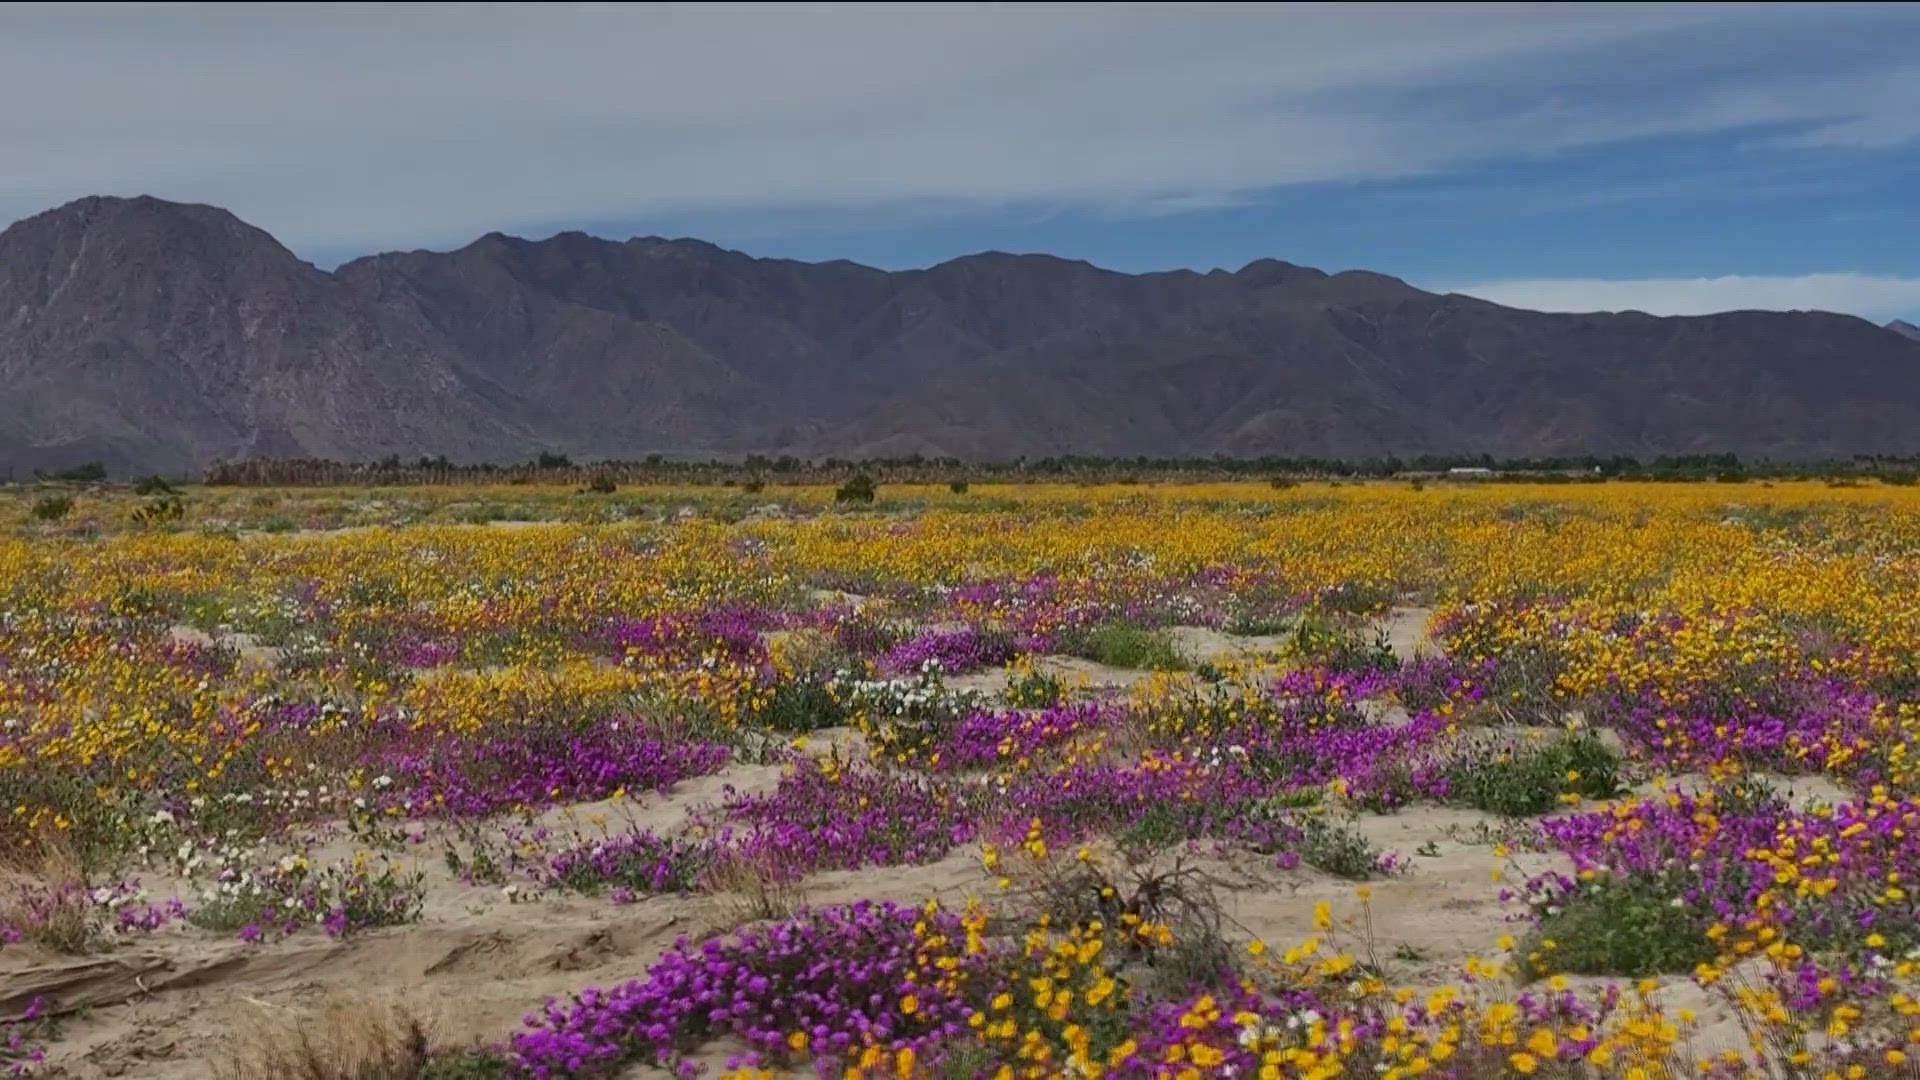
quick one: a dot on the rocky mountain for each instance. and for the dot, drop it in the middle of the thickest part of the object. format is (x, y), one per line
(157, 335)
(1905, 329)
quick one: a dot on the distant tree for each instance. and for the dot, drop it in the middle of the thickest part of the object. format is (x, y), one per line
(860, 488)
(82, 474)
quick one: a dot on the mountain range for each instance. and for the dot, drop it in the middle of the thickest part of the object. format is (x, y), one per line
(154, 335)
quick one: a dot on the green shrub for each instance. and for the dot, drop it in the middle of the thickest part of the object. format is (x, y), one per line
(801, 704)
(859, 488)
(160, 510)
(1532, 779)
(1611, 926)
(1123, 646)
(152, 485)
(601, 484)
(52, 508)
(1031, 688)
(1339, 644)
(81, 474)
(1337, 849)
(958, 487)
(753, 485)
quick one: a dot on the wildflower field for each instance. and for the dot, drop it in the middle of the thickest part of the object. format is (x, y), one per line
(1571, 780)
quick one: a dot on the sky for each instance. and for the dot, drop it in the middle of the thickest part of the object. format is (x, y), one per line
(1665, 158)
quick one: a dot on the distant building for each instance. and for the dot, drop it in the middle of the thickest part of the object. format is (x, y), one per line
(1469, 473)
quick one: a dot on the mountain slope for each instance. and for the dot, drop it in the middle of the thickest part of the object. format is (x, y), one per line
(1905, 329)
(160, 335)
(174, 334)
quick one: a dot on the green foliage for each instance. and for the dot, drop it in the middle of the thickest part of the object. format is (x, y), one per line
(152, 484)
(1340, 644)
(1035, 689)
(1610, 926)
(801, 704)
(753, 485)
(1532, 779)
(467, 1065)
(1123, 646)
(602, 484)
(859, 488)
(1337, 848)
(958, 487)
(81, 474)
(52, 508)
(160, 510)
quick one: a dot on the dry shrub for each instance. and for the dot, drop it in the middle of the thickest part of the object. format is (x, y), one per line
(1116, 888)
(43, 896)
(347, 1037)
(750, 892)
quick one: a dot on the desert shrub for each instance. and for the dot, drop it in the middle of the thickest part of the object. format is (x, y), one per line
(1340, 645)
(859, 488)
(1086, 892)
(805, 702)
(1281, 483)
(1358, 597)
(958, 487)
(1337, 848)
(1616, 926)
(864, 635)
(1030, 688)
(753, 485)
(159, 510)
(349, 1038)
(81, 474)
(1123, 646)
(52, 507)
(1534, 779)
(44, 898)
(601, 484)
(152, 484)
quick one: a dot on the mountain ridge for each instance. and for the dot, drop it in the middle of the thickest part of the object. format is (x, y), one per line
(169, 335)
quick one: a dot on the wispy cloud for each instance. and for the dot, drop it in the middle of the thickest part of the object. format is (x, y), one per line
(1874, 297)
(377, 126)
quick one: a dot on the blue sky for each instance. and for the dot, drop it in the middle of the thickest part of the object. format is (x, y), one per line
(1667, 158)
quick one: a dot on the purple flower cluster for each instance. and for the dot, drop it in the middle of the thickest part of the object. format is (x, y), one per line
(954, 651)
(992, 738)
(537, 766)
(826, 818)
(636, 862)
(732, 632)
(838, 975)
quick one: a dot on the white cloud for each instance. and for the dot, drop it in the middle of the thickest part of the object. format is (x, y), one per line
(359, 125)
(1870, 296)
